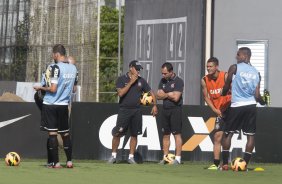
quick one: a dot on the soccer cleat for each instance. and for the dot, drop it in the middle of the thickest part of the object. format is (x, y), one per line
(131, 161)
(162, 162)
(50, 165)
(112, 160)
(224, 167)
(69, 165)
(175, 162)
(213, 167)
(56, 166)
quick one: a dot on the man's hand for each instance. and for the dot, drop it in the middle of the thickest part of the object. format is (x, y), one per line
(36, 88)
(261, 101)
(218, 112)
(161, 95)
(154, 111)
(133, 78)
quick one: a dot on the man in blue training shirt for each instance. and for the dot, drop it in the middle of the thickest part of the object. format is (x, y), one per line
(55, 113)
(245, 94)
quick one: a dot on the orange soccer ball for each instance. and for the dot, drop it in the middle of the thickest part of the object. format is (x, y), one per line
(146, 99)
(12, 159)
(238, 164)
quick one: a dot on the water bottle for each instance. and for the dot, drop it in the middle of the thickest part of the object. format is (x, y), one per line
(266, 96)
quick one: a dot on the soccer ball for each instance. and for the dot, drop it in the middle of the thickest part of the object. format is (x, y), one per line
(12, 159)
(238, 164)
(146, 99)
(169, 158)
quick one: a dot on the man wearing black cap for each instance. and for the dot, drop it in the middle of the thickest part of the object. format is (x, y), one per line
(130, 87)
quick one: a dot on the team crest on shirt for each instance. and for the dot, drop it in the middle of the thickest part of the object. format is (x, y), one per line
(216, 126)
(139, 84)
(172, 85)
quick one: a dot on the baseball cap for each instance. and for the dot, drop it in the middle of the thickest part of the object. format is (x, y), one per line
(137, 65)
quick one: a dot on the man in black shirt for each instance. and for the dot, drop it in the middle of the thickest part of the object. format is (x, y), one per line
(130, 87)
(170, 91)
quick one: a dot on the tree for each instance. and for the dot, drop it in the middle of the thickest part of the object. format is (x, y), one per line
(109, 52)
(21, 50)
(16, 70)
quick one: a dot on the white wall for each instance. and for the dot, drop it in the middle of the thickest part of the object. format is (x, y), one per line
(26, 92)
(250, 20)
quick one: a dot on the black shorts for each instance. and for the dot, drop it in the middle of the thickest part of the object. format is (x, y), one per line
(241, 118)
(220, 121)
(219, 124)
(55, 118)
(129, 119)
(172, 121)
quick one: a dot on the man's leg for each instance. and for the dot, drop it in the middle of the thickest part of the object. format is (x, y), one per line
(175, 124)
(178, 147)
(226, 143)
(43, 125)
(53, 148)
(68, 149)
(49, 159)
(249, 148)
(166, 144)
(115, 144)
(133, 143)
(132, 147)
(249, 129)
(178, 144)
(119, 131)
(135, 126)
(217, 147)
(50, 123)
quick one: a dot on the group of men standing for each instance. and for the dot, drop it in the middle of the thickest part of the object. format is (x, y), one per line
(130, 87)
(235, 107)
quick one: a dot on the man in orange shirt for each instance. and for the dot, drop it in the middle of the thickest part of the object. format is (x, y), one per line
(212, 85)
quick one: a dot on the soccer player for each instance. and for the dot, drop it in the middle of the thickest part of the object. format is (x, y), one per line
(130, 87)
(170, 91)
(212, 85)
(245, 81)
(72, 60)
(55, 105)
(38, 97)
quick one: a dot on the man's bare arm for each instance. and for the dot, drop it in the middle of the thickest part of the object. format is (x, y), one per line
(232, 71)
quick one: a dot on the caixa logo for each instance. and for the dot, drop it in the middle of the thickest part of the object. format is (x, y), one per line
(150, 135)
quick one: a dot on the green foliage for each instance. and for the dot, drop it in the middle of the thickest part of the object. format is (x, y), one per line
(16, 70)
(109, 52)
(21, 50)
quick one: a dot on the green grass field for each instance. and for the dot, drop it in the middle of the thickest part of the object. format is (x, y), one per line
(96, 172)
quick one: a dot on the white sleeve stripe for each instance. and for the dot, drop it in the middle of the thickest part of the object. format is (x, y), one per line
(54, 81)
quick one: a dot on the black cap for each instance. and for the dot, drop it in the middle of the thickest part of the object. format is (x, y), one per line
(136, 65)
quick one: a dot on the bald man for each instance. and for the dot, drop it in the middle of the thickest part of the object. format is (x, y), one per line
(71, 60)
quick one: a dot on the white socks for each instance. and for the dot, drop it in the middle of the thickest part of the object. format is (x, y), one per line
(114, 154)
(178, 158)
